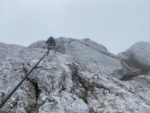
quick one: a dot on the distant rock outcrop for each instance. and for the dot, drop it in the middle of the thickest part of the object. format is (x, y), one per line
(82, 77)
(138, 56)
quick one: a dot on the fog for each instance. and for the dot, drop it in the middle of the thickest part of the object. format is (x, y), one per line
(117, 24)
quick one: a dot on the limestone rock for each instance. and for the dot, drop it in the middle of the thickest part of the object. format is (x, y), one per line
(65, 103)
(52, 76)
(89, 55)
(143, 79)
(137, 56)
(137, 59)
(38, 44)
(60, 84)
(109, 95)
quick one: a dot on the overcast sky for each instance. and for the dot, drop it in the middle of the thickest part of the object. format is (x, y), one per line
(117, 24)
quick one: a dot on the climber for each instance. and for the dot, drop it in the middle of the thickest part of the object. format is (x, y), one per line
(51, 44)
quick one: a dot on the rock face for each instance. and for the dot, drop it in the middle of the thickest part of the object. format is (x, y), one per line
(89, 55)
(143, 79)
(137, 58)
(80, 78)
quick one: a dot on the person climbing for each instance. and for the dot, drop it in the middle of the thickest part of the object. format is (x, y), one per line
(51, 44)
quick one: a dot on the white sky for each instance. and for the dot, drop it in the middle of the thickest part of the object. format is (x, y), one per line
(117, 24)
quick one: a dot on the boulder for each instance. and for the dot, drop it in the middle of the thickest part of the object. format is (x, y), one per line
(137, 56)
(137, 59)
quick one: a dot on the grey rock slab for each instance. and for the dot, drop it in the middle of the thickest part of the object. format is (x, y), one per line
(78, 81)
(109, 95)
(64, 103)
(143, 79)
(89, 55)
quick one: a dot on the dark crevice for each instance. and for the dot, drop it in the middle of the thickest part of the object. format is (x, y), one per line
(37, 93)
(76, 82)
(79, 83)
(84, 97)
(130, 73)
(86, 85)
(36, 88)
(128, 77)
(34, 82)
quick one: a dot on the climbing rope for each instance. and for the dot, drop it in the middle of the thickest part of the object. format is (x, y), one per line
(26, 77)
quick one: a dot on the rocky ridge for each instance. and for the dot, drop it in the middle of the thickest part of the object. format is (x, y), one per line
(82, 77)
